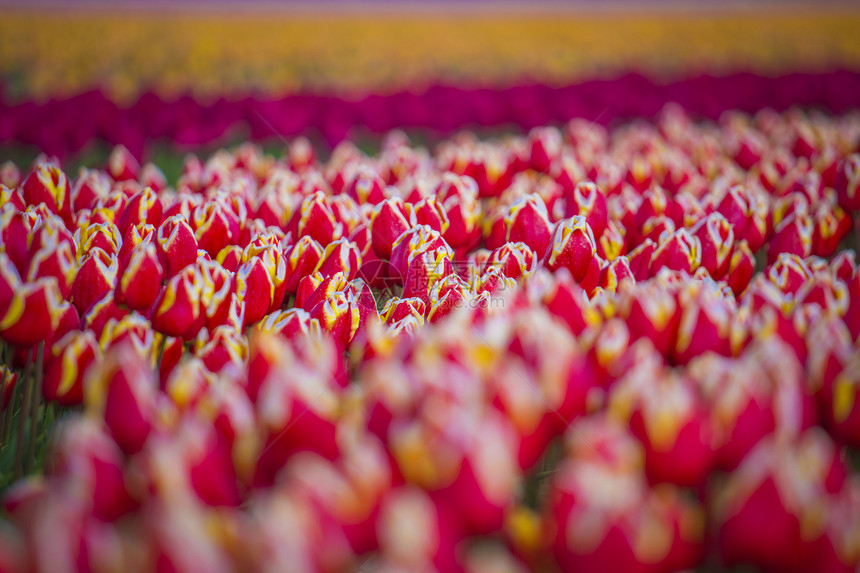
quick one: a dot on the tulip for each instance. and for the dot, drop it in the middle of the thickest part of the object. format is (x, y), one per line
(425, 268)
(140, 278)
(396, 309)
(678, 251)
(446, 295)
(315, 218)
(176, 311)
(527, 221)
(458, 195)
(514, 259)
(49, 185)
(177, 247)
(794, 236)
(572, 247)
(95, 278)
(848, 183)
(67, 367)
(122, 165)
(545, 148)
(120, 388)
(104, 236)
(57, 261)
(388, 221)
(767, 487)
(366, 186)
(428, 211)
(588, 200)
(421, 238)
(215, 226)
(716, 238)
(340, 256)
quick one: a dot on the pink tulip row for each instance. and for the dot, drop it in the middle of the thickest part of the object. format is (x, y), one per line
(578, 349)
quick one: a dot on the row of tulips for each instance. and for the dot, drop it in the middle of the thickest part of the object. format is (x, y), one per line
(574, 350)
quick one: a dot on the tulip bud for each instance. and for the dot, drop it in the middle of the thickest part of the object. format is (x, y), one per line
(446, 295)
(49, 185)
(705, 324)
(397, 309)
(831, 225)
(588, 201)
(224, 345)
(527, 221)
(95, 278)
(70, 358)
(303, 258)
(35, 312)
(340, 256)
(741, 268)
(570, 303)
(387, 222)
(140, 278)
(782, 484)
(428, 211)
(8, 380)
(425, 268)
(104, 236)
(122, 165)
(421, 238)
(55, 260)
(458, 196)
(177, 246)
(545, 145)
(315, 218)
(230, 257)
(366, 186)
(134, 236)
(290, 323)
(716, 238)
(572, 247)
(121, 388)
(515, 260)
(679, 251)
(848, 183)
(793, 235)
(616, 275)
(215, 226)
(143, 207)
(176, 311)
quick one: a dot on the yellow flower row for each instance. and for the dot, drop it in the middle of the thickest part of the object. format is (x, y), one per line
(125, 53)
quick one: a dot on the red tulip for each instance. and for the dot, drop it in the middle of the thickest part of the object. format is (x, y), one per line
(140, 278)
(527, 221)
(388, 220)
(572, 247)
(176, 311)
(717, 239)
(177, 245)
(49, 185)
(340, 256)
(122, 390)
(122, 165)
(366, 186)
(67, 366)
(96, 277)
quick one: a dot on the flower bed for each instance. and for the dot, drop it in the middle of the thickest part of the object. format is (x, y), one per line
(578, 349)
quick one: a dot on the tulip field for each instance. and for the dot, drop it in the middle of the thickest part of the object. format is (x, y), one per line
(576, 348)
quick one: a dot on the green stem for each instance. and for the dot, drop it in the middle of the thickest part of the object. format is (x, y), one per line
(160, 355)
(6, 407)
(10, 408)
(22, 417)
(36, 411)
